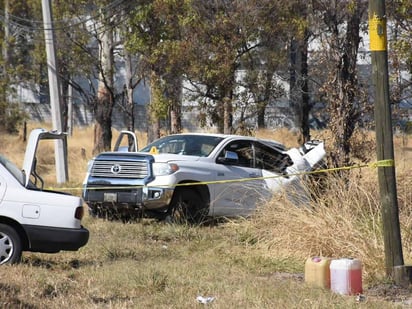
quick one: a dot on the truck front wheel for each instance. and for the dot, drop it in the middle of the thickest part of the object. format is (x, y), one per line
(187, 206)
(10, 245)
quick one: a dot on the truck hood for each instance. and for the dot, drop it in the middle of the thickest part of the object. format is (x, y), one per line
(30, 155)
(167, 157)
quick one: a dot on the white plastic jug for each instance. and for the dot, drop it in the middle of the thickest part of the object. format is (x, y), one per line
(346, 276)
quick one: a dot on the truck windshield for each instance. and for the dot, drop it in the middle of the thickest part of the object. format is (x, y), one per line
(13, 169)
(190, 145)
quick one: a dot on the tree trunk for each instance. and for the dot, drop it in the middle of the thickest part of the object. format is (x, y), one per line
(227, 116)
(129, 92)
(306, 106)
(267, 95)
(293, 85)
(153, 123)
(261, 115)
(65, 100)
(344, 111)
(217, 118)
(299, 92)
(175, 119)
(228, 104)
(103, 125)
(174, 96)
(105, 98)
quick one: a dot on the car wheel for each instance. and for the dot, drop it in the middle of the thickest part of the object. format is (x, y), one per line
(10, 245)
(187, 206)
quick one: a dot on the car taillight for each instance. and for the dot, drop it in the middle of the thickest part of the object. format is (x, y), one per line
(78, 214)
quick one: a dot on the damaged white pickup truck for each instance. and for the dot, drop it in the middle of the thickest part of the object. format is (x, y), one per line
(32, 218)
(191, 176)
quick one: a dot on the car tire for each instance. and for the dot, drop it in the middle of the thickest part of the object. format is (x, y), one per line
(10, 245)
(187, 206)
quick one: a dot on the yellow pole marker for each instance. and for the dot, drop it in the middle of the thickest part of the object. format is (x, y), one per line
(377, 33)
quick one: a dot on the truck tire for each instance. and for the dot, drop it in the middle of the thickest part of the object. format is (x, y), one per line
(10, 245)
(97, 211)
(187, 206)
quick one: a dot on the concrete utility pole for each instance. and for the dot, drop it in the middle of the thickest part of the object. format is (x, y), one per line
(6, 51)
(384, 142)
(54, 90)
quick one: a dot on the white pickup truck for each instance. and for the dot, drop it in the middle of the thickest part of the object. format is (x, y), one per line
(34, 219)
(190, 176)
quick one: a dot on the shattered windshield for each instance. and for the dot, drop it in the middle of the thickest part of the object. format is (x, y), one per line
(191, 145)
(13, 169)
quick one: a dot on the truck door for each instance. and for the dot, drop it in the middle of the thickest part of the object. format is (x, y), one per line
(238, 185)
(126, 142)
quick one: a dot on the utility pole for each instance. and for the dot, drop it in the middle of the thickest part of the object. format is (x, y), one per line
(54, 90)
(384, 142)
(6, 51)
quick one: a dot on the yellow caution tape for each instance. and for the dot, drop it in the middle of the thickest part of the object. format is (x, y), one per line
(383, 163)
(380, 163)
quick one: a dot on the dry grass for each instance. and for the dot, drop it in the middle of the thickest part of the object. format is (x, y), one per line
(253, 263)
(151, 265)
(345, 222)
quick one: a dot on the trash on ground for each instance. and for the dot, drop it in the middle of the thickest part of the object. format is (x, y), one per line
(205, 300)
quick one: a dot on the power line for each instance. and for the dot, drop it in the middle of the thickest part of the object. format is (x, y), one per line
(101, 11)
(118, 16)
(29, 26)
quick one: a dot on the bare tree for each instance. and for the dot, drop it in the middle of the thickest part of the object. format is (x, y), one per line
(299, 85)
(337, 56)
(105, 97)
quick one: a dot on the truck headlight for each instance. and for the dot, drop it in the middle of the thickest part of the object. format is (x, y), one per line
(89, 168)
(163, 169)
(90, 165)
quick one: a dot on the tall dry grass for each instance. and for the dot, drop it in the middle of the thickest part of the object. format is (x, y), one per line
(344, 222)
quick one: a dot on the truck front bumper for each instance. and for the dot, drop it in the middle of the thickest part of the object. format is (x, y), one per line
(144, 198)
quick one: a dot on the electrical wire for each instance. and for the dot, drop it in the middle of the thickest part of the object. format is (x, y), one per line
(101, 11)
(114, 10)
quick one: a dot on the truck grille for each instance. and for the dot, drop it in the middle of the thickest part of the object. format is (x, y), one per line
(120, 169)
